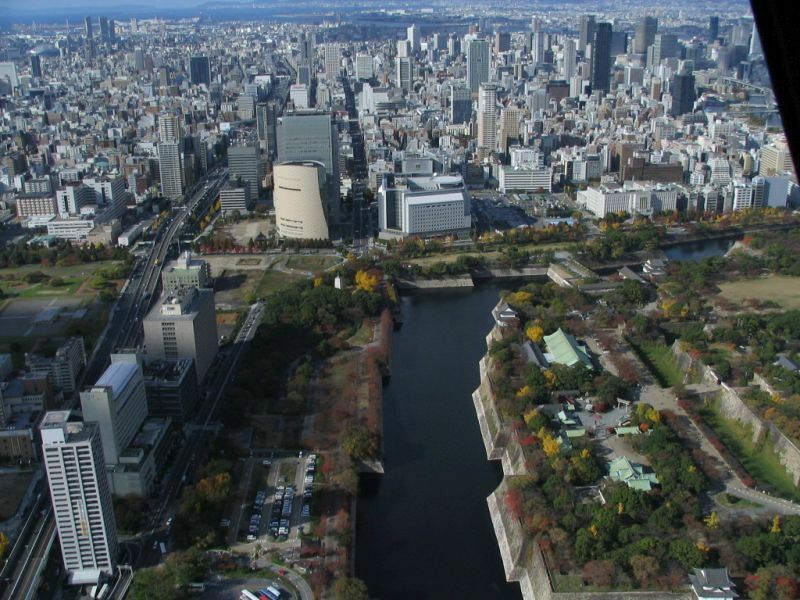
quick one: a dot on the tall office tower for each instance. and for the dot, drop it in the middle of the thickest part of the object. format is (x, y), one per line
(601, 57)
(313, 136)
(645, 34)
(537, 47)
(509, 127)
(478, 63)
(169, 128)
(402, 73)
(333, 61)
(112, 31)
(104, 29)
(755, 43)
(36, 66)
(664, 46)
(76, 473)
(170, 167)
(487, 116)
(365, 67)
(619, 43)
(683, 94)
(403, 48)
(244, 162)
(117, 403)
(569, 58)
(200, 70)
(713, 28)
(413, 37)
(138, 59)
(439, 41)
(460, 104)
(300, 200)
(536, 24)
(502, 42)
(586, 32)
(304, 74)
(265, 125)
(453, 45)
(183, 325)
(87, 22)
(303, 47)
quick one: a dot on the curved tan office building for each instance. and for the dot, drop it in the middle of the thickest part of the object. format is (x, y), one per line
(300, 200)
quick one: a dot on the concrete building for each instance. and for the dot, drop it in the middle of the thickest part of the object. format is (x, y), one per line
(118, 404)
(487, 117)
(424, 206)
(300, 207)
(36, 205)
(75, 229)
(633, 198)
(171, 388)
(646, 30)
(775, 159)
(72, 198)
(64, 367)
(525, 179)
(79, 492)
(170, 168)
(244, 163)
(235, 196)
(183, 325)
(586, 33)
(365, 66)
(200, 70)
(402, 73)
(305, 136)
(333, 61)
(185, 271)
(601, 57)
(298, 94)
(460, 104)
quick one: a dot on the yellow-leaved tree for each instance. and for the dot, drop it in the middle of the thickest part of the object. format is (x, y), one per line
(366, 282)
(535, 333)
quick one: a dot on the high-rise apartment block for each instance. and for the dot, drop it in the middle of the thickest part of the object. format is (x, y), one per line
(79, 491)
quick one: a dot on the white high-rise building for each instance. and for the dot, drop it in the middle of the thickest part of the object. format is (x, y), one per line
(299, 95)
(169, 129)
(568, 59)
(170, 168)
(478, 62)
(117, 403)
(79, 492)
(487, 116)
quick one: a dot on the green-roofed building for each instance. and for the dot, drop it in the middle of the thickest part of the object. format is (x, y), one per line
(565, 350)
(631, 474)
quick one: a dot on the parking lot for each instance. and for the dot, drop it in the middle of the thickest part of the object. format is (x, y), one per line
(279, 501)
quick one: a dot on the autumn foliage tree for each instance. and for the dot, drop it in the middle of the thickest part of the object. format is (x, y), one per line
(366, 281)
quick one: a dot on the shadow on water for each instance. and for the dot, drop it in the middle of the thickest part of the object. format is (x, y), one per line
(423, 528)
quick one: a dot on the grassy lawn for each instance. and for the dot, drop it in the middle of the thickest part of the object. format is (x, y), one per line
(273, 281)
(778, 288)
(14, 486)
(363, 336)
(72, 278)
(312, 263)
(659, 359)
(489, 256)
(760, 460)
(735, 502)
